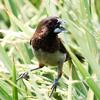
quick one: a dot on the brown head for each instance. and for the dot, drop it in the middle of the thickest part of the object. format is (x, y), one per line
(50, 26)
(45, 36)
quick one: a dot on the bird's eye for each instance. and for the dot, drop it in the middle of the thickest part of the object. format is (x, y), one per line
(59, 27)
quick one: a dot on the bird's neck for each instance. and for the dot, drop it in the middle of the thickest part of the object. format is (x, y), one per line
(50, 38)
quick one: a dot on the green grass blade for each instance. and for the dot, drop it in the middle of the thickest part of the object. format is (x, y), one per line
(15, 92)
(79, 86)
(5, 59)
(24, 52)
(84, 73)
(4, 95)
(97, 7)
(13, 7)
(21, 25)
(50, 8)
(87, 44)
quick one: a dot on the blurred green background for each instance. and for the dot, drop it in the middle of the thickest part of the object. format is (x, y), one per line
(18, 20)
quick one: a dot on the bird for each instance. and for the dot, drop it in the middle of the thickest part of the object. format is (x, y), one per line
(48, 47)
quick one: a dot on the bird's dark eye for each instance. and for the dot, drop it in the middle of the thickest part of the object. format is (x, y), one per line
(59, 27)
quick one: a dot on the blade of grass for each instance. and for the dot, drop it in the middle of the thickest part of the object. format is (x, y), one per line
(70, 84)
(8, 7)
(79, 86)
(86, 41)
(34, 88)
(84, 73)
(3, 94)
(88, 47)
(15, 92)
(24, 52)
(13, 7)
(97, 7)
(50, 8)
(21, 25)
(5, 59)
(90, 95)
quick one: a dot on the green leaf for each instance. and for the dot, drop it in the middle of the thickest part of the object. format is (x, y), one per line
(97, 7)
(15, 91)
(84, 73)
(24, 52)
(50, 8)
(5, 59)
(4, 95)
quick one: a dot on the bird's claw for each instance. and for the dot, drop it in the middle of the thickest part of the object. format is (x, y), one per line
(54, 86)
(23, 75)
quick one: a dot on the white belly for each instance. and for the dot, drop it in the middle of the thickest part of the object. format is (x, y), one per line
(49, 58)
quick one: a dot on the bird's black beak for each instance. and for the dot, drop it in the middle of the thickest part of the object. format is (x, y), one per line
(61, 26)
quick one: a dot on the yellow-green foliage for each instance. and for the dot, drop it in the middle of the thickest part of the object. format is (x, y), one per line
(18, 20)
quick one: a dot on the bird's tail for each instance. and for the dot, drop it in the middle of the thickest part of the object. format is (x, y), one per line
(80, 57)
(77, 54)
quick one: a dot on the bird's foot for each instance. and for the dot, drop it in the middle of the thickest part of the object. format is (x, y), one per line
(54, 86)
(23, 75)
